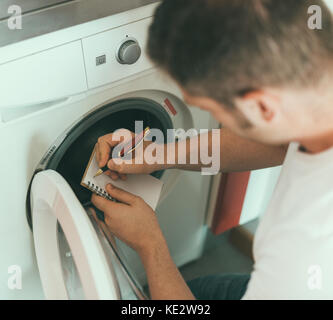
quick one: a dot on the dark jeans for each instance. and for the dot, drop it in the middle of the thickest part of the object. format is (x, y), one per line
(219, 287)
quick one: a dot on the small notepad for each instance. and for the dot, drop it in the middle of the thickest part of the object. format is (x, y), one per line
(145, 186)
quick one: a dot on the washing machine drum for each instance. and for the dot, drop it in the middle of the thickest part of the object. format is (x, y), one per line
(61, 226)
(70, 159)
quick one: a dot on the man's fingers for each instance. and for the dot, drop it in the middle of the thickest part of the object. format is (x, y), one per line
(120, 195)
(109, 208)
(100, 202)
(123, 177)
(109, 141)
(114, 166)
(98, 155)
(115, 175)
(103, 152)
(122, 167)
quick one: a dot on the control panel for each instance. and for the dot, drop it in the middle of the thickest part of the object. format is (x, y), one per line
(116, 54)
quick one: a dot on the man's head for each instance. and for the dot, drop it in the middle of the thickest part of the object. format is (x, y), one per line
(254, 64)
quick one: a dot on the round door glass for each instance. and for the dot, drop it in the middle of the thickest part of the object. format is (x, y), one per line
(71, 275)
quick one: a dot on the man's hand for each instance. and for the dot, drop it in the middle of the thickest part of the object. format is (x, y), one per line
(135, 223)
(132, 221)
(120, 167)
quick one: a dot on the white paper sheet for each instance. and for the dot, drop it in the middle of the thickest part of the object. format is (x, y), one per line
(145, 186)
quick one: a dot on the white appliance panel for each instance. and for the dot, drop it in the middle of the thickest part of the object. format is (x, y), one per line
(107, 44)
(44, 76)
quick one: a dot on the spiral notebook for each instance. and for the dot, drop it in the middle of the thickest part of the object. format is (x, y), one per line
(145, 186)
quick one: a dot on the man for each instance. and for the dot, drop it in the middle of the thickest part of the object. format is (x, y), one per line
(258, 68)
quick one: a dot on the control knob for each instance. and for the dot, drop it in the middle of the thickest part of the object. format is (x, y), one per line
(129, 51)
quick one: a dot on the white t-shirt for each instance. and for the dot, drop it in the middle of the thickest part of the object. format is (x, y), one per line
(293, 246)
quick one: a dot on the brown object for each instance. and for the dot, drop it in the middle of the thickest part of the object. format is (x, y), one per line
(230, 201)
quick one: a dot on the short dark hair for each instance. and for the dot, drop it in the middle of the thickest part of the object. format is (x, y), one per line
(225, 48)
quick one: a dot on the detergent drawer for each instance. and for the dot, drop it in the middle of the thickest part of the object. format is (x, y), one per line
(45, 76)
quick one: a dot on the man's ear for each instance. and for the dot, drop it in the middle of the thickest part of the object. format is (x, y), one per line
(259, 107)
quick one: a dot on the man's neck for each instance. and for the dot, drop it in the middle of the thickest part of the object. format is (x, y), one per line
(320, 118)
(318, 144)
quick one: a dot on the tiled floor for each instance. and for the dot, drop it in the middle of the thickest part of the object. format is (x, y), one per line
(219, 257)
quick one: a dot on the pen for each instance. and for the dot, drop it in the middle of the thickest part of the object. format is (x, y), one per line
(128, 148)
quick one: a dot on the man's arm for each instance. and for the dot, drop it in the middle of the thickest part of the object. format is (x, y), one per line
(236, 153)
(164, 279)
(134, 222)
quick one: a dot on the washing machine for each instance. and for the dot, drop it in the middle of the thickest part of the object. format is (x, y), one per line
(59, 93)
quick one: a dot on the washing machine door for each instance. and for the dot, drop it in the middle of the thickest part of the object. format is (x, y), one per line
(71, 259)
